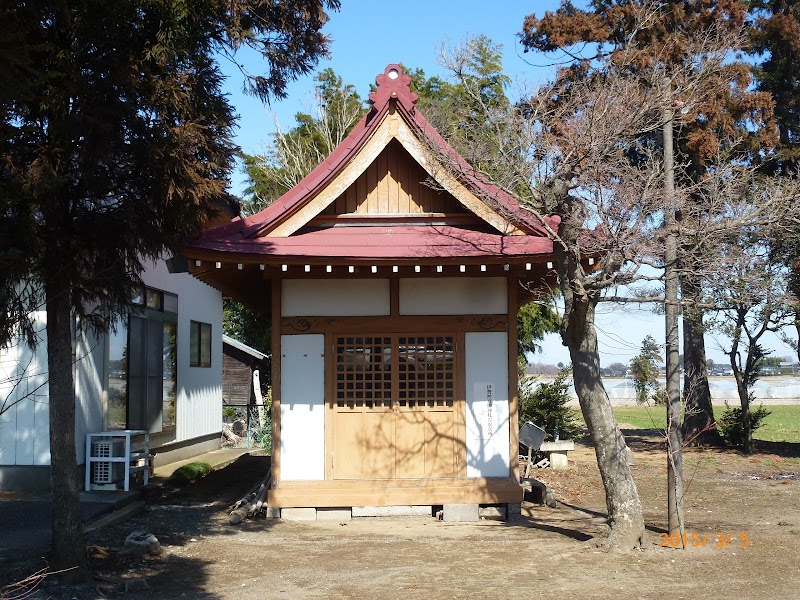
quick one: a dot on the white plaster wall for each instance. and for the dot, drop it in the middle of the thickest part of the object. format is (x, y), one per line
(487, 426)
(453, 296)
(24, 427)
(334, 297)
(199, 398)
(302, 407)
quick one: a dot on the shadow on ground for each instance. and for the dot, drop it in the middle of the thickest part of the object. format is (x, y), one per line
(178, 517)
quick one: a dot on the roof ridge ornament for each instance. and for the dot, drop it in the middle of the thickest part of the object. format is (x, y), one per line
(393, 84)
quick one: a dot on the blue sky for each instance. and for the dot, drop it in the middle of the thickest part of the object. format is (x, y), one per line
(367, 36)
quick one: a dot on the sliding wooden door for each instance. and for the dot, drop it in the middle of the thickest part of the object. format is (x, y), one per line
(395, 410)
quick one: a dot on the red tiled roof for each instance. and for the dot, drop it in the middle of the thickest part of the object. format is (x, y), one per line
(250, 236)
(382, 243)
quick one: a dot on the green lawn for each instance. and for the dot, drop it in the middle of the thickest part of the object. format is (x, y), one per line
(782, 425)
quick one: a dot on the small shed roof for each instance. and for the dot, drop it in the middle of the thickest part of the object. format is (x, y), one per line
(243, 347)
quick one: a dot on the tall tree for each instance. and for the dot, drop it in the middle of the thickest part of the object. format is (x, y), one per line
(115, 143)
(292, 154)
(730, 116)
(585, 148)
(752, 293)
(775, 42)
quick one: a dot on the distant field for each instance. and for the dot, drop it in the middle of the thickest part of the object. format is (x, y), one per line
(782, 425)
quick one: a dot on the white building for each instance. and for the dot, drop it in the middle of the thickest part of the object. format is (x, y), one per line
(161, 371)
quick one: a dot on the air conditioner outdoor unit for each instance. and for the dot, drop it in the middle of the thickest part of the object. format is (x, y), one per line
(108, 472)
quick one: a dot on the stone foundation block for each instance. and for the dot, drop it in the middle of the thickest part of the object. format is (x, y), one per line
(299, 514)
(461, 513)
(493, 513)
(334, 514)
(391, 511)
(513, 511)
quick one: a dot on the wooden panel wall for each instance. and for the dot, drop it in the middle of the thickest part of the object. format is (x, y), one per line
(393, 184)
(237, 378)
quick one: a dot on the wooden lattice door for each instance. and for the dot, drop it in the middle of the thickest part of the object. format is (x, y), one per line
(395, 407)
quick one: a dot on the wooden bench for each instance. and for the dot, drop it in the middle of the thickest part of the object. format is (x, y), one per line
(556, 452)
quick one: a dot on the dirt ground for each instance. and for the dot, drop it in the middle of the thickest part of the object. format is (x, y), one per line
(753, 501)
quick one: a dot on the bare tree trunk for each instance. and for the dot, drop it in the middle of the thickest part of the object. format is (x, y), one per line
(698, 416)
(622, 498)
(743, 375)
(744, 399)
(747, 425)
(69, 548)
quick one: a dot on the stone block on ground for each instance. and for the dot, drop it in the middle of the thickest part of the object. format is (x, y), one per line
(493, 513)
(461, 513)
(557, 453)
(334, 514)
(299, 514)
(513, 510)
(272, 512)
(391, 511)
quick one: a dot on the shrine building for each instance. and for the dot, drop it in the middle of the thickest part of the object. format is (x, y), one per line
(391, 282)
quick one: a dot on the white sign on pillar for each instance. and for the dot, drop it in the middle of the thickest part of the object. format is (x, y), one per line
(487, 404)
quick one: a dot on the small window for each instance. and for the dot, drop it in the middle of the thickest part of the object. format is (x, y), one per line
(170, 303)
(154, 299)
(199, 344)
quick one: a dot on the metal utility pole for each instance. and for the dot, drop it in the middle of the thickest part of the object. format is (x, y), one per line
(675, 485)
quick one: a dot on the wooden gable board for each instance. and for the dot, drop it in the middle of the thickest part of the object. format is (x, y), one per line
(392, 126)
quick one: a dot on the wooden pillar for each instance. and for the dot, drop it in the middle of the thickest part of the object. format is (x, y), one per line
(276, 382)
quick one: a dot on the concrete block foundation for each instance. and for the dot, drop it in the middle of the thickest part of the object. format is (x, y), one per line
(299, 514)
(461, 513)
(391, 511)
(334, 514)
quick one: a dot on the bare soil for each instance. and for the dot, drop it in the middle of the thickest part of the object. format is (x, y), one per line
(753, 501)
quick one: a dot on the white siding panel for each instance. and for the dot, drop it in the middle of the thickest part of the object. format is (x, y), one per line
(9, 374)
(89, 386)
(24, 428)
(453, 296)
(26, 394)
(302, 407)
(487, 419)
(334, 297)
(41, 432)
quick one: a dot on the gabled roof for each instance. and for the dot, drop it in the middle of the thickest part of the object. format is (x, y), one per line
(243, 347)
(278, 229)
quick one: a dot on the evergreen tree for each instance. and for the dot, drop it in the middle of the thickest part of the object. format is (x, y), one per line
(115, 145)
(644, 370)
(775, 39)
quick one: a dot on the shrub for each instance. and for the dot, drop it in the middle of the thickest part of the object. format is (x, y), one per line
(545, 405)
(229, 414)
(190, 472)
(731, 427)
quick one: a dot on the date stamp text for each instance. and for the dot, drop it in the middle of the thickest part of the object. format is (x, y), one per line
(695, 540)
